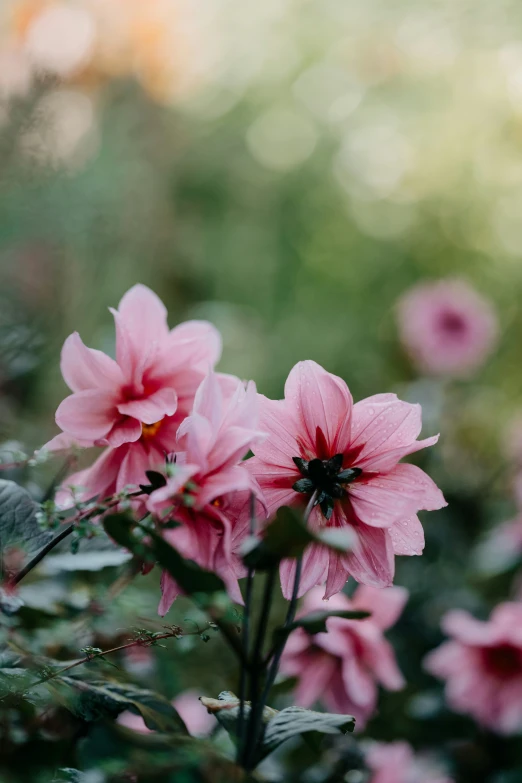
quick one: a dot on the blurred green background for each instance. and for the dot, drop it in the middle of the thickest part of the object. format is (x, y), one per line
(286, 170)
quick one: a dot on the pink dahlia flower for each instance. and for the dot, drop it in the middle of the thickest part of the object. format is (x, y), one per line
(447, 327)
(133, 404)
(396, 763)
(198, 720)
(319, 441)
(343, 668)
(482, 666)
(208, 477)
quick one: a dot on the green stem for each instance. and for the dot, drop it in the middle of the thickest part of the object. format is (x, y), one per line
(245, 641)
(107, 504)
(140, 642)
(278, 651)
(256, 703)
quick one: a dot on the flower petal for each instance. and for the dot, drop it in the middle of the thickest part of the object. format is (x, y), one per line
(85, 368)
(383, 424)
(314, 569)
(276, 419)
(64, 442)
(144, 316)
(133, 466)
(169, 592)
(97, 480)
(407, 536)
(196, 342)
(126, 430)
(337, 576)
(371, 561)
(151, 409)
(234, 479)
(323, 402)
(381, 500)
(88, 415)
(386, 605)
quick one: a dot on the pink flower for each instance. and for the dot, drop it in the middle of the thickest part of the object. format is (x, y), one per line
(207, 479)
(197, 719)
(482, 666)
(350, 454)
(396, 763)
(342, 668)
(133, 404)
(447, 327)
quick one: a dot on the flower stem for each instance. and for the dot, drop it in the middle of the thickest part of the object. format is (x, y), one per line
(141, 641)
(41, 554)
(256, 716)
(106, 505)
(245, 641)
(256, 702)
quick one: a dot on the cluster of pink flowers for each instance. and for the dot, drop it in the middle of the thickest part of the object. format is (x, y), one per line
(161, 398)
(396, 763)
(482, 666)
(343, 667)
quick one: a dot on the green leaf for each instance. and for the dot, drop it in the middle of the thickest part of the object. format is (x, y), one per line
(94, 700)
(288, 536)
(18, 522)
(226, 709)
(70, 775)
(278, 726)
(315, 622)
(296, 720)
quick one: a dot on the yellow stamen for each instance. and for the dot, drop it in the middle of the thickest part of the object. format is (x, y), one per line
(217, 503)
(150, 430)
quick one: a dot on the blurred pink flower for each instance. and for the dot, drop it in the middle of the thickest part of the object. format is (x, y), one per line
(482, 666)
(197, 719)
(396, 763)
(133, 404)
(447, 327)
(208, 475)
(350, 453)
(342, 668)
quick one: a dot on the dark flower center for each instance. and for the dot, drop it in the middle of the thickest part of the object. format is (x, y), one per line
(453, 322)
(327, 477)
(503, 661)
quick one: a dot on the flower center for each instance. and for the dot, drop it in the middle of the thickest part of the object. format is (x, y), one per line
(148, 431)
(327, 478)
(453, 322)
(503, 661)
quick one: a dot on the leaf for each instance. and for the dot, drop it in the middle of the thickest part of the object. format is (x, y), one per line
(296, 720)
(189, 576)
(288, 536)
(226, 709)
(315, 622)
(69, 775)
(92, 701)
(278, 725)
(18, 521)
